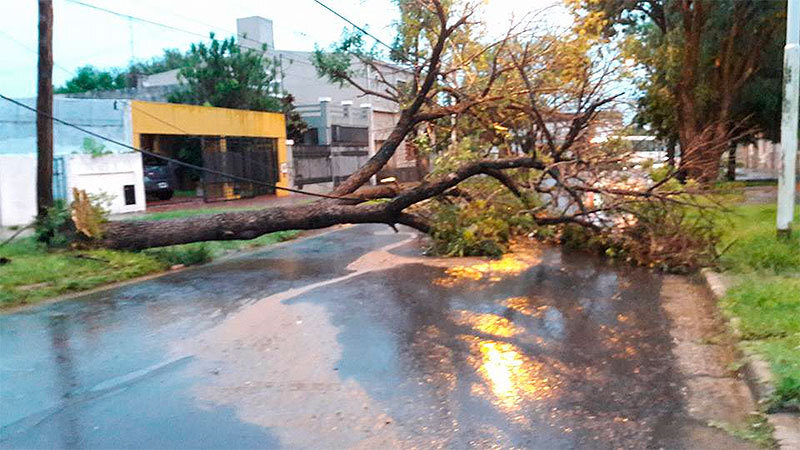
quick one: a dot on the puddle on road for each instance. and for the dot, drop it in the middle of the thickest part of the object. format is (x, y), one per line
(276, 365)
(466, 357)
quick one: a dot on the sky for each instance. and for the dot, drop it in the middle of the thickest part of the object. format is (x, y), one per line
(82, 35)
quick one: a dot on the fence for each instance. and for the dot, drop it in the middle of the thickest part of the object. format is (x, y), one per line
(246, 157)
(314, 164)
(402, 174)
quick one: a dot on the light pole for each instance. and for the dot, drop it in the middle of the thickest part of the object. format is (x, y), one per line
(791, 92)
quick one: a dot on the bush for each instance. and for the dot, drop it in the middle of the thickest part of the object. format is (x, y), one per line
(470, 226)
(188, 255)
(50, 229)
(472, 231)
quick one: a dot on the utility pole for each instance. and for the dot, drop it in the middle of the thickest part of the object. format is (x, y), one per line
(44, 103)
(791, 97)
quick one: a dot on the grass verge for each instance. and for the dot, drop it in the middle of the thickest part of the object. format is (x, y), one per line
(35, 273)
(756, 430)
(766, 293)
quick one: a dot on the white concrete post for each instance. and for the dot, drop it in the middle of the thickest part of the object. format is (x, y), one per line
(289, 169)
(366, 112)
(791, 93)
(325, 117)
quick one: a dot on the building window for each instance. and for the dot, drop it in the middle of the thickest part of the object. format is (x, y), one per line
(130, 194)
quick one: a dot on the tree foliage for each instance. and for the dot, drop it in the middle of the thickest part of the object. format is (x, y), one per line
(708, 68)
(89, 78)
(221, 73)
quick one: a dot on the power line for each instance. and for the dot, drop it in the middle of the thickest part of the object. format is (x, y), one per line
(34, 51)
(172, 160)
(354, 25)
(182, 30)
(130, 17)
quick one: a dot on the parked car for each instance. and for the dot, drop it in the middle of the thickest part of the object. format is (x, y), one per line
(158, 182)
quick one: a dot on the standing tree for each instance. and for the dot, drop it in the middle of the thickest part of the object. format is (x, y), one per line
(89, 78)
(224, 74)
(700, 57)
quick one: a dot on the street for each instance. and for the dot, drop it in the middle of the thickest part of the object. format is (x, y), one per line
(352, 339)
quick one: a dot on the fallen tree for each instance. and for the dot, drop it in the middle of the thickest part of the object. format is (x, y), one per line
(521, 110)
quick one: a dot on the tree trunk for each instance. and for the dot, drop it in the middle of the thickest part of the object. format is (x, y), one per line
(381, 157)
(731, 175)
(671, 144)
(44, 103)
(137, 235)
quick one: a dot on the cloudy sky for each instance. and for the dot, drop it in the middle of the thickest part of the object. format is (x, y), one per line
(83, 35)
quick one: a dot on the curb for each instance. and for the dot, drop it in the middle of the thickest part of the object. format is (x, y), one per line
(757, 373)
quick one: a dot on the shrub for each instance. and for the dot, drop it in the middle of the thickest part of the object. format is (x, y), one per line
(471, 226)
(188, 255)
(50, 228)
(472, 231)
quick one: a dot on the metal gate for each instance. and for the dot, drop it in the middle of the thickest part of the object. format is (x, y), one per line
(312, 164)
(59, 179)
(246, 157)
(323, 163)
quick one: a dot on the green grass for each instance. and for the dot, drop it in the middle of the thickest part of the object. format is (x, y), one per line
(769, 307)
(756, 430)
(749, 231)
(200, 252)
(766, 296)
(36, 273)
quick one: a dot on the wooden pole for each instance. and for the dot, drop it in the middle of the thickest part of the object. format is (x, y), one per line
(44, 103)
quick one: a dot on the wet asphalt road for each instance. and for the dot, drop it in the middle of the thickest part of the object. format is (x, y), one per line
(348, 339)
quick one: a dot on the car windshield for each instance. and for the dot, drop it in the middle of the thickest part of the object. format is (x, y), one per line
(156, 171)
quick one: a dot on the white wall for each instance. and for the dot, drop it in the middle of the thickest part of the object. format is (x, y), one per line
(17, 189)
(108, 175)
(105, 174)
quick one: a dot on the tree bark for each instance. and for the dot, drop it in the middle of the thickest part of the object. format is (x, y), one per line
(671, 144)
(137, 235)
(44, 103)
(731, 175)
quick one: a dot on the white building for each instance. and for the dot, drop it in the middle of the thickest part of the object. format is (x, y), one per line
(117, 174)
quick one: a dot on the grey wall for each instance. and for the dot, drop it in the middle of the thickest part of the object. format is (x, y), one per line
(110, 118)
